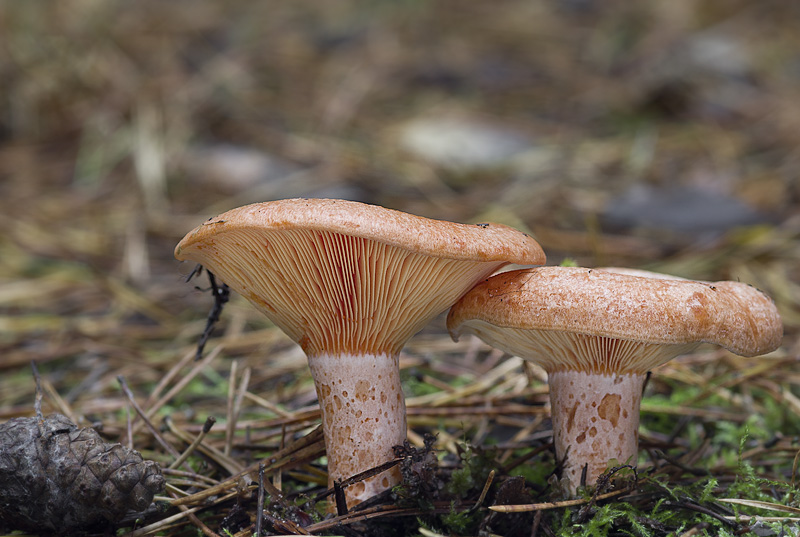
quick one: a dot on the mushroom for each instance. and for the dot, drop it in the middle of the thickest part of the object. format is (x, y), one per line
(597, 332)
(351, 283)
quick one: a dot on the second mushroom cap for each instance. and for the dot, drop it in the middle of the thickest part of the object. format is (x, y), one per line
(597, 333)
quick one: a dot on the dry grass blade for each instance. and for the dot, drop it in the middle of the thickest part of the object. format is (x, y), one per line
(164, 381)
(742, 518)
(556, 505)
(425, 532)
(205, 530)
(367, 514)
(484, 491)
(194, 444)
(302, 450)
(762, 505)
(162, 525)
(219, 457)
(272, 407)
(155, 432)
(181, 384)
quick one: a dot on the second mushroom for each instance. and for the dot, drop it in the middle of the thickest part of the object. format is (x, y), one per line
(597, 333)
(351, 283)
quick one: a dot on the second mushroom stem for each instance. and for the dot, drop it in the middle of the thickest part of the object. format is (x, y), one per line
(595, 420)
(363, 416)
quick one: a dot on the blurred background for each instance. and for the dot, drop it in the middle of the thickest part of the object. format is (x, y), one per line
(660, 135)
(614, 132)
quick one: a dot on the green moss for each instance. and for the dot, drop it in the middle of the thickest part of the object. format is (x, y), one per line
(463, 522)
(476, 465)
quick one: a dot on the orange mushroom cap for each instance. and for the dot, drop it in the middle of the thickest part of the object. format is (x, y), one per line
(351, 283)
(342, 276)
(533, 312)
(597, 332)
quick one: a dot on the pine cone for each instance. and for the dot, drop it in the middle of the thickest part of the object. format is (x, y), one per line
(55, 477)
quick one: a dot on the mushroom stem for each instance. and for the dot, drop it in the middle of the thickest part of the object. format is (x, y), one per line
(595, 420)
(363, 416)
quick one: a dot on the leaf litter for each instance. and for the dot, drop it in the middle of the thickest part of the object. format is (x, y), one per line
(94, 193)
